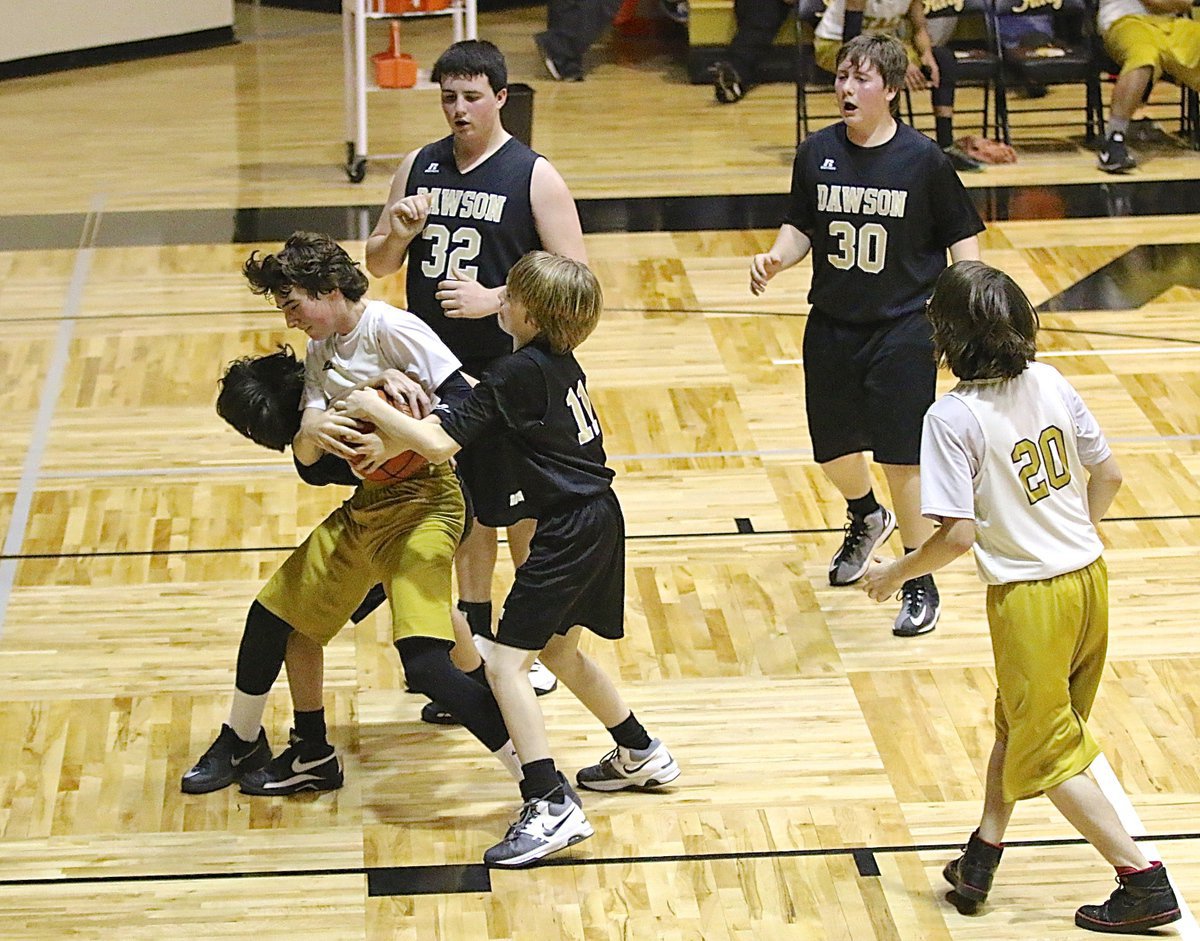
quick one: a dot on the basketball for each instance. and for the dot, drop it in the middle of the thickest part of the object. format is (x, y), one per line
(404, 464)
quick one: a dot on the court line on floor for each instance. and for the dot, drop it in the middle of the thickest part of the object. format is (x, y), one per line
(454, 872)
(52, 384)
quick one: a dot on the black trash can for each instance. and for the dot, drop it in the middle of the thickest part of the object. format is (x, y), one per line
(517, 113)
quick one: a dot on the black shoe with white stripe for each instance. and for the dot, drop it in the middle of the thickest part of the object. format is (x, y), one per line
(920, 607)
(228, 759)
(297, 768)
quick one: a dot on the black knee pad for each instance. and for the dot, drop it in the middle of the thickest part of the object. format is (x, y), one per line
(263, 647)
(425, 660)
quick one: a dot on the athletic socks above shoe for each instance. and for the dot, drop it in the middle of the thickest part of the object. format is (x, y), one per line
(630, 733)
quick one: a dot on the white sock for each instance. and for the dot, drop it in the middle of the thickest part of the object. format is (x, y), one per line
(245, 715)
(507, 753)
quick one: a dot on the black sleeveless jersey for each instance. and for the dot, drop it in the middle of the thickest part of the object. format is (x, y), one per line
(531, 440)
(480, 223)
(880, 220)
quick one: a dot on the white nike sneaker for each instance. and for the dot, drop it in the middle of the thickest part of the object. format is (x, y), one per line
(545, 825)
(541, 679)
(290, 772)
(623, 768)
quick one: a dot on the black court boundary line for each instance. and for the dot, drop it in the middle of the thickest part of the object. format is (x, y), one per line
(640, 537)
(230, 225)
(744, 528)
(863, 853)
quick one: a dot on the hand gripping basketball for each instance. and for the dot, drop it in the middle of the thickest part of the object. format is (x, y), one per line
(404, 464)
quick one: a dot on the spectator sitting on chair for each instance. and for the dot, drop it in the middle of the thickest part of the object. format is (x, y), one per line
(928, 66)
(758, 22)
(1145, 38)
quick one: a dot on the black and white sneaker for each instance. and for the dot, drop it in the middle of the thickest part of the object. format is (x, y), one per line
(296, 769)
(435, 713)
(558, 70)
(728, 87)
(625, 769)
(862, 535)
(961, 160)
(228, 759)
(675, 10)
(1115, 156)
(545, 825)
(920, 607)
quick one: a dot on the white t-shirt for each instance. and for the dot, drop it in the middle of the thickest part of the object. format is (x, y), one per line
(1010, 454)
(1113, 10)
(883, 16)
(385, 337)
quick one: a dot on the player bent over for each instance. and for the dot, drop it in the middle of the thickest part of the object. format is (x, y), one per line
(1003, 456)
(402, 534)
(532, 413)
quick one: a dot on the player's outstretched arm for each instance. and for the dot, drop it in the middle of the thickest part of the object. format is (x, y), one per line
(397, 432)
(401, 221)
(791, 245)
(948, 542)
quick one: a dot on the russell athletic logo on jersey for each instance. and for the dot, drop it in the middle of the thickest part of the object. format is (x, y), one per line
(828, 164)
(863, 200)
(465, 204)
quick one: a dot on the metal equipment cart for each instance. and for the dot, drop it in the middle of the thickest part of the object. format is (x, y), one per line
(355, 16)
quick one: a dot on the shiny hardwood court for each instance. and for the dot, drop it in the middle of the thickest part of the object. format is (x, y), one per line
(829, 769)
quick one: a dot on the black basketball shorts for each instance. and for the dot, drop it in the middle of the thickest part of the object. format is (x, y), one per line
(867, 386)
(575, 574)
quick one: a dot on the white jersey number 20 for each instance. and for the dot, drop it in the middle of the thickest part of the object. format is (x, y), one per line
(865, 246)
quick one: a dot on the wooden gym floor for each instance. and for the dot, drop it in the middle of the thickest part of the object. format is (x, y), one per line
(829, 768)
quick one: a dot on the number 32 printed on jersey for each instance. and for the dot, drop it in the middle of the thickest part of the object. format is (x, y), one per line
(451, 251)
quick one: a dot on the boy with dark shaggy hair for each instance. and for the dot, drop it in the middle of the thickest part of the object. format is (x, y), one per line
(402, 534)
(1003, 462)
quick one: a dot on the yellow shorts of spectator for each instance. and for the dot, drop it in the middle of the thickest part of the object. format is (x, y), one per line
(1049, 639)
(1163, 43)
(402, 534)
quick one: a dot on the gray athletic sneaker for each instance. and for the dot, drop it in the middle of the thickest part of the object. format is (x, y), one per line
(545, 825)
(863, 534)
(623, 768)
(920, 607)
